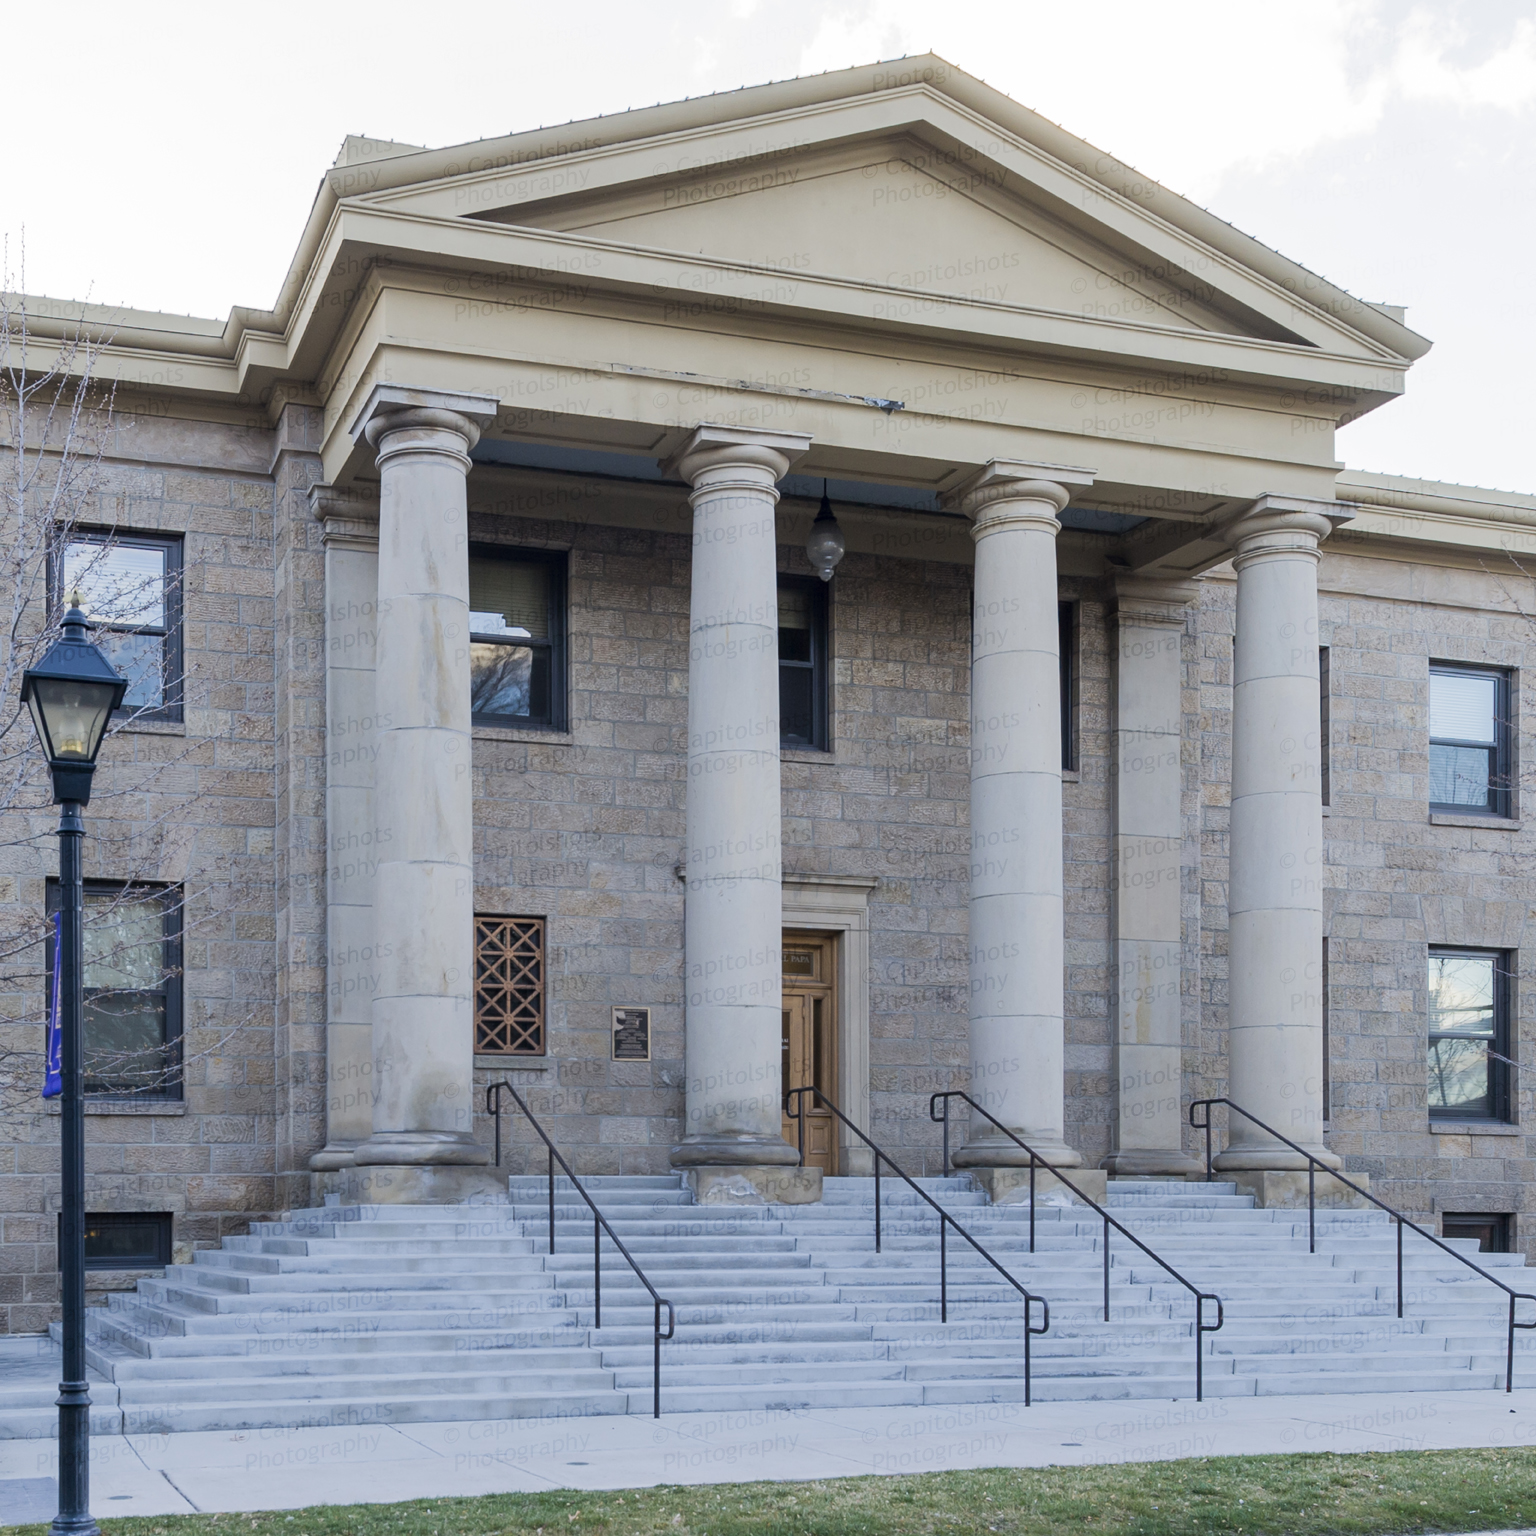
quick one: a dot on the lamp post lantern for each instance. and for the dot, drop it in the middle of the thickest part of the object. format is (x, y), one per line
(825, 547)
(72, 693)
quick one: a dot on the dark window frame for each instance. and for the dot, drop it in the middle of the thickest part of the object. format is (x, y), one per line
(1501, 777)
(1499, 1225)
(559, 692)
(1500, 1100)
(1324, 738)
(171, 1090)
(158, 1258)
(819, 666)
(1070, 671)
(173, 694)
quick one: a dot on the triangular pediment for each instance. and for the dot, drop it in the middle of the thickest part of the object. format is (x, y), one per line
(904, 215)
(925, 183)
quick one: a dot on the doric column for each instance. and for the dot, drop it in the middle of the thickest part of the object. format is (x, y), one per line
(1016, 936)
(1147, 840)
(349, 521)
(732, 929)
(1275, 874)
(423, 895)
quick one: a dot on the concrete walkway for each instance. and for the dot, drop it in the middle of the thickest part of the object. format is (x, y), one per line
(371, 1463)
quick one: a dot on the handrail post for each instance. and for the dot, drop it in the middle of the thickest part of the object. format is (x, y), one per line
(551, 1199)
(1509, 1359)
(656, 1363)
(1400, 1272)
(946, 1137)
(944, 1271)
(1028, 1331)
(493, 1108)
(1199, 1349)
(597, 1273)
(877, 1202)
(1106, 1269)
(1312, 1209)
(1032, 1161)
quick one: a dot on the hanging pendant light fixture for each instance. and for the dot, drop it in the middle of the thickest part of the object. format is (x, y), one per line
(825, 547)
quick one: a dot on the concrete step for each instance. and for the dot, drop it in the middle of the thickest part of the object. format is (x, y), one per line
(392, 1314)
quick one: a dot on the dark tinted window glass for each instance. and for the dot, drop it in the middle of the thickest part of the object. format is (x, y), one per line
(803, 681)
(516, 628)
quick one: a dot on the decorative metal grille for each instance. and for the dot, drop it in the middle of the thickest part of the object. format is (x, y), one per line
(509, 986)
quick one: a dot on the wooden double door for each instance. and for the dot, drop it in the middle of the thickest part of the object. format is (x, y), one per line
(809, 1043)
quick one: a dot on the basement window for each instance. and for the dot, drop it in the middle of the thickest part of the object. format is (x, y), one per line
(1491, 1231)
(127, 1239)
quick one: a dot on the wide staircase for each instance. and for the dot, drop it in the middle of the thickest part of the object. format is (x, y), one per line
(354, 1315)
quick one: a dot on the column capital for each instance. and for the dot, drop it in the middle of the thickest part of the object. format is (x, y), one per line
(710, 446)
(1151, 600)
(1279, 525)
(1001, 481)
(399, 407)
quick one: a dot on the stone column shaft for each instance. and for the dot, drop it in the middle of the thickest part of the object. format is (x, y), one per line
(1275, 877)
(732, 924)
(1146, 884)
(423, 902)
(1016, 924)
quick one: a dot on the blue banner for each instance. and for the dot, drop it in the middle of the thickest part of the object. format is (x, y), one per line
(53, 1076)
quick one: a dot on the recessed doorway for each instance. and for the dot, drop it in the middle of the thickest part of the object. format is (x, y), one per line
(809, 1042)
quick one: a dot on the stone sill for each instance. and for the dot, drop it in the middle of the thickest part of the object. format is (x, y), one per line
(807, 755)
(1495, 823)
(125, 1107)
(1472, 1128)
(533, 735)
(514, 1064)
(151, 728)
(1071, 776)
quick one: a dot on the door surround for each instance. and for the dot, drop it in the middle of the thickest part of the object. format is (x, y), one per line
(839, 904)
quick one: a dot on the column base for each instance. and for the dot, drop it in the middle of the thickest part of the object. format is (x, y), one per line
(1010, 1186)
(413, 1186)
(334, 1155)
(738, 1185)
(734, 1152)
(420, 1149)
(998, 1152)
(1287, 1191)
(1148, 1164)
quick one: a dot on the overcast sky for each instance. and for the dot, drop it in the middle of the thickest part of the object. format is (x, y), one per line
(171, 152)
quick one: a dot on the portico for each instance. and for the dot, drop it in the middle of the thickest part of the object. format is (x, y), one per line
(421, 906)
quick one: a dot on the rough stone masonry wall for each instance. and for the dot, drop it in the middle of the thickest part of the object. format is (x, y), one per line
(1396, 883)
(189, 804)
(588, 829)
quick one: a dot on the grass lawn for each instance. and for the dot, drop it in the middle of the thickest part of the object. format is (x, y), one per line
(1396, 1492)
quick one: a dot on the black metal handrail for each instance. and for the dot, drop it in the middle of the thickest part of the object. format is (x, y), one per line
(1313, 1164)
(600, 1225)
(1037, 1160)
(792, 1102)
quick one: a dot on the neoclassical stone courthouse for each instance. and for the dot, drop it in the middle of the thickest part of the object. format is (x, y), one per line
(495, 721)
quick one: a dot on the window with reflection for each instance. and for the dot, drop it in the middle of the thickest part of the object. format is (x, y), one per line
(129, 588)
(132, 982)
(1469, 740)
(1469, 1034)
(803, 701)
(517, 634)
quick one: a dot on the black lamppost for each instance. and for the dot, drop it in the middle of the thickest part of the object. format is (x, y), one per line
(72, 693)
